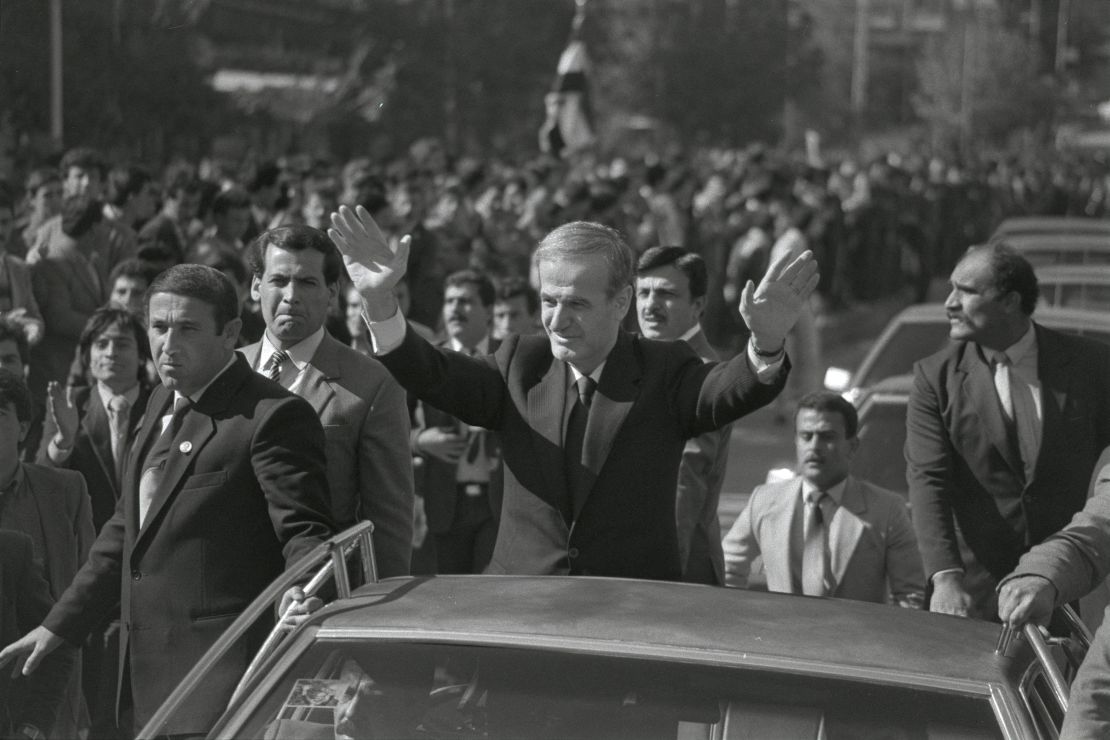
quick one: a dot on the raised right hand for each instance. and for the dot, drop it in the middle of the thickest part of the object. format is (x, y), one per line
(950, 596)
(373, 264)
(63, 411)
(28, 651)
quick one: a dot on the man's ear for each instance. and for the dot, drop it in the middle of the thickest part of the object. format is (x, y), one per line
(256, 284)
(698, 304)
(24, 428)
(231, 331)
(622, 300)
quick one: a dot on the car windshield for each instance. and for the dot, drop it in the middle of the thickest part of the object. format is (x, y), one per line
(347, 689)
(909, 343)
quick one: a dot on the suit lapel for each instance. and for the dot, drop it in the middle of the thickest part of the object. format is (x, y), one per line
(845, 530)
(197, 429)
(321, 370)
(977, 387)
(546, 407)
(617, 390)
(251, 353)
(783, 505)
(99, 432)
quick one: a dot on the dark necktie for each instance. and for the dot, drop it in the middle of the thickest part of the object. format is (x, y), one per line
(155, 464)
(578, 477)
(274, 366)
(815, 550)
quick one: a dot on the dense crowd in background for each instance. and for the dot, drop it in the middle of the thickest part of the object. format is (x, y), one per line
(877, 227)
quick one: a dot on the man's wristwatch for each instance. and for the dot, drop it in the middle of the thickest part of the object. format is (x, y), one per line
(764, 353)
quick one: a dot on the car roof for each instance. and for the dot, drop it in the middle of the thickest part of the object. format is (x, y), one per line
(1071, 273)
(1069, 241)
(644, 619)
(1053, 317)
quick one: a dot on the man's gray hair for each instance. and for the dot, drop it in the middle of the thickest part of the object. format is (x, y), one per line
(580, 238)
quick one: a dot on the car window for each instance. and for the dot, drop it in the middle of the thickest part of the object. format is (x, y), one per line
(344, 689)
(882, 435)
(909, 343)
(1087, 296)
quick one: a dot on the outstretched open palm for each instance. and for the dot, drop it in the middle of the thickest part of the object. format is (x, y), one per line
(772, 309)
(375, 266)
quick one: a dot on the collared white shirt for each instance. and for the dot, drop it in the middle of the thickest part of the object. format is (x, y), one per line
(106, 396)
(300, 354)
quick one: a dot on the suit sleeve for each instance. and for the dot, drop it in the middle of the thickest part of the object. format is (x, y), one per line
(903, 560)
(929, 468)
(1077, 558)
(386, 478)
(288, 456)
(37, 698)
(469, 388)
(709, 396)
(741, 547)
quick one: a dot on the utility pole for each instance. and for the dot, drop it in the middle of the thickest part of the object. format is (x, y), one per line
(1063, 15)
(56, 114)
(861, 68)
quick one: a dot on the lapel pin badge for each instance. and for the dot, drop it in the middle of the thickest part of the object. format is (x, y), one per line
(186, 447)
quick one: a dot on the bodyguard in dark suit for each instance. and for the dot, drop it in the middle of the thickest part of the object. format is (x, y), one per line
(224, 487)
(28, 704)
(589, 477)
(1003, 429)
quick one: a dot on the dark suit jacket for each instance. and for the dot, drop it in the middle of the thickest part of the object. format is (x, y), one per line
(24, 601)
(244, 495)
(700, 477)
(92, 449)
(961, 464)
(652, 397)
(366, 425)
(436, 480)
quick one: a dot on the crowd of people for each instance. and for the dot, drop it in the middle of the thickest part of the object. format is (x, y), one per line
(303, 345)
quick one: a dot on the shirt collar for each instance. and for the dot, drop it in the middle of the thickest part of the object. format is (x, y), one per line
(481, 348)
(595, 375)
(691, 333)
(836, 493)
(300, 353)
(106, 394)
(200, 394)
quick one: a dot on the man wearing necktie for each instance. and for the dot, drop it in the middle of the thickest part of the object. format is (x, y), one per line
(240, 493)
(363, 410)
(457, 478)
(825, 532)
(650, 397)
(1004, 427)
(88, 429)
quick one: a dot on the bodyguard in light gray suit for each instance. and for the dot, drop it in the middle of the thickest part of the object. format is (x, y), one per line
(864, 547)
(362, 408)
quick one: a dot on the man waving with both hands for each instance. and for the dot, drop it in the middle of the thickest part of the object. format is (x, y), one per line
(594, 420)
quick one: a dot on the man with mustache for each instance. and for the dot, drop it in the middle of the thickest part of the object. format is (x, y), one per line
(458, 461)
(826, 533)
(363, 410)
(1004, 427)
(671, 285)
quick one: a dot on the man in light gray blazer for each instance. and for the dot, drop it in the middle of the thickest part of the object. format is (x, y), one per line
(362, 408)
(826, 533)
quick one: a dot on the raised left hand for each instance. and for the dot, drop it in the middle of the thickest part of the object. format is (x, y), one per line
(772, 309)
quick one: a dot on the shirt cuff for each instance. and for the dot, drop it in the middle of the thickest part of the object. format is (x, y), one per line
(766, 370)
(57, 454)
(933, 577)
(387, 335)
